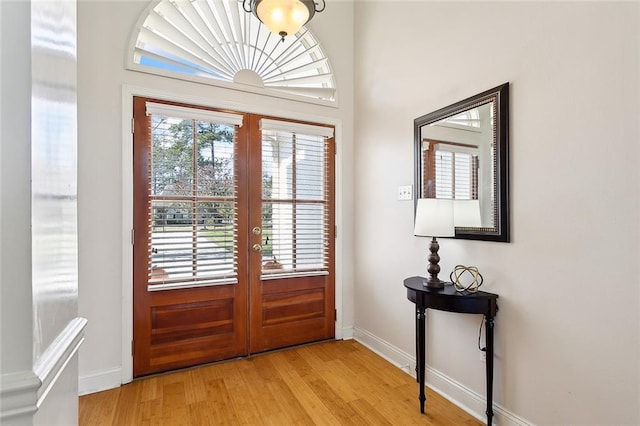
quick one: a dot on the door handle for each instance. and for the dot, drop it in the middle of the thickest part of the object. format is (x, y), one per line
(257, 248)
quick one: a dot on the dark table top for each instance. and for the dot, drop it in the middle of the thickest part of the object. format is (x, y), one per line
(448, 299)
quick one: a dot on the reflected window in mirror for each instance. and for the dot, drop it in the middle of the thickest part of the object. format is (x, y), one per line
(450, 170)
(461, 154)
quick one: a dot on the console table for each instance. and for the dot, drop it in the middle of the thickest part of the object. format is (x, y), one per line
(448, 299)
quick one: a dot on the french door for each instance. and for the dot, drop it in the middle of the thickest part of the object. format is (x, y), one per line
(233, 234)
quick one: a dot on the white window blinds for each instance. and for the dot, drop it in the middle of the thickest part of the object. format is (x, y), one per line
(295, 199)
(193, 198)
(456, 172)
(298, 128)
(187, 113)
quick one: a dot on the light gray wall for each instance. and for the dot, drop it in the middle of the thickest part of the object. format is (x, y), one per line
(568, 329)
(15, 190)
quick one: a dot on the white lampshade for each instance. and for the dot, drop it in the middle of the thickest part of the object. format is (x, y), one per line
(434, 218)
(283, 17)
(467, 213)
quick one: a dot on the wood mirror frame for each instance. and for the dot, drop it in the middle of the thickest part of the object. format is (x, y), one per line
(491, 183)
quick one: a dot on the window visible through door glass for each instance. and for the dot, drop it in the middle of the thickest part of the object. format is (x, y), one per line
(193, 201)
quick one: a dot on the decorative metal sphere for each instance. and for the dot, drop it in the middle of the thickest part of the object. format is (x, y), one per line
(471, 282)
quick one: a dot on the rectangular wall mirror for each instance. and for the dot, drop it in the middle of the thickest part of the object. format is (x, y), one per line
(462, 153)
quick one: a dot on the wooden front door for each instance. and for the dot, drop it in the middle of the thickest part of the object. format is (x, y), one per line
(233, 252)
(292, 234)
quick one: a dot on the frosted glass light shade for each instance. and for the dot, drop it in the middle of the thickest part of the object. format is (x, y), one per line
(283, 17)
(434, 218)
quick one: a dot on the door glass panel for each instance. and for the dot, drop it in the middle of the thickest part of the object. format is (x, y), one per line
(294, 203)
(171, 157)
(193, 235)
(215, 160)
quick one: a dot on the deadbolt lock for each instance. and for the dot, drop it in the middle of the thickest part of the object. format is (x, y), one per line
(256, 230)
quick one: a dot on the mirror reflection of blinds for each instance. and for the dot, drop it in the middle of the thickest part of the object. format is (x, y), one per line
(295, 199)
(193, 198)
(456, 175)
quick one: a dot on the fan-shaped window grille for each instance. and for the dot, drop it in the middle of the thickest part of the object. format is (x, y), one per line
(216, 41)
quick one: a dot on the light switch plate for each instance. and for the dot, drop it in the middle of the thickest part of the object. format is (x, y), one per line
(405, 192)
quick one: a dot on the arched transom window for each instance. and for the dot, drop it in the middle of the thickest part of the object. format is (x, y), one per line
(217, 42)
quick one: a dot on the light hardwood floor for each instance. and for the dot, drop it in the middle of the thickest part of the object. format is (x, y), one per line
(328, 383)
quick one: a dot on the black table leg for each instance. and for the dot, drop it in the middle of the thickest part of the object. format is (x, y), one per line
(489, 365)
(417, 343)
(420, 353)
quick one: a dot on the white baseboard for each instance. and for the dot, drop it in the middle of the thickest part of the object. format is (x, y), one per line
(465, 398)
(395, 356)
(99, 381)
(18, 397)
(347, 333)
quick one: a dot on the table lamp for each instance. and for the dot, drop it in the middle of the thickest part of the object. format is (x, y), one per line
(434, 218)
(466, 213)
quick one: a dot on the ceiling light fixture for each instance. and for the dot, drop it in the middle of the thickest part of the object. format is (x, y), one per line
(283, 17)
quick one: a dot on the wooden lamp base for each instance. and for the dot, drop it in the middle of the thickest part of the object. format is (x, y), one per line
(433, 282)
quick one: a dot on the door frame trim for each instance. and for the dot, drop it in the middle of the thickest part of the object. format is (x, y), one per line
(128, 93)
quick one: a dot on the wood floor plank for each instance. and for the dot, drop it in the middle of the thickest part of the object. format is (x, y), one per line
(264, 402)
(197, 391)
(127, 412)
(342, 380)
(151, 412)
(369, 364)
(345, 414)
(220, 404)
(174, 406)
(98, 408)
(241, 401)
(310, 402)
(328, 383)
(368, 413)
(151, 390)
(288, 403)
(298, 363)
